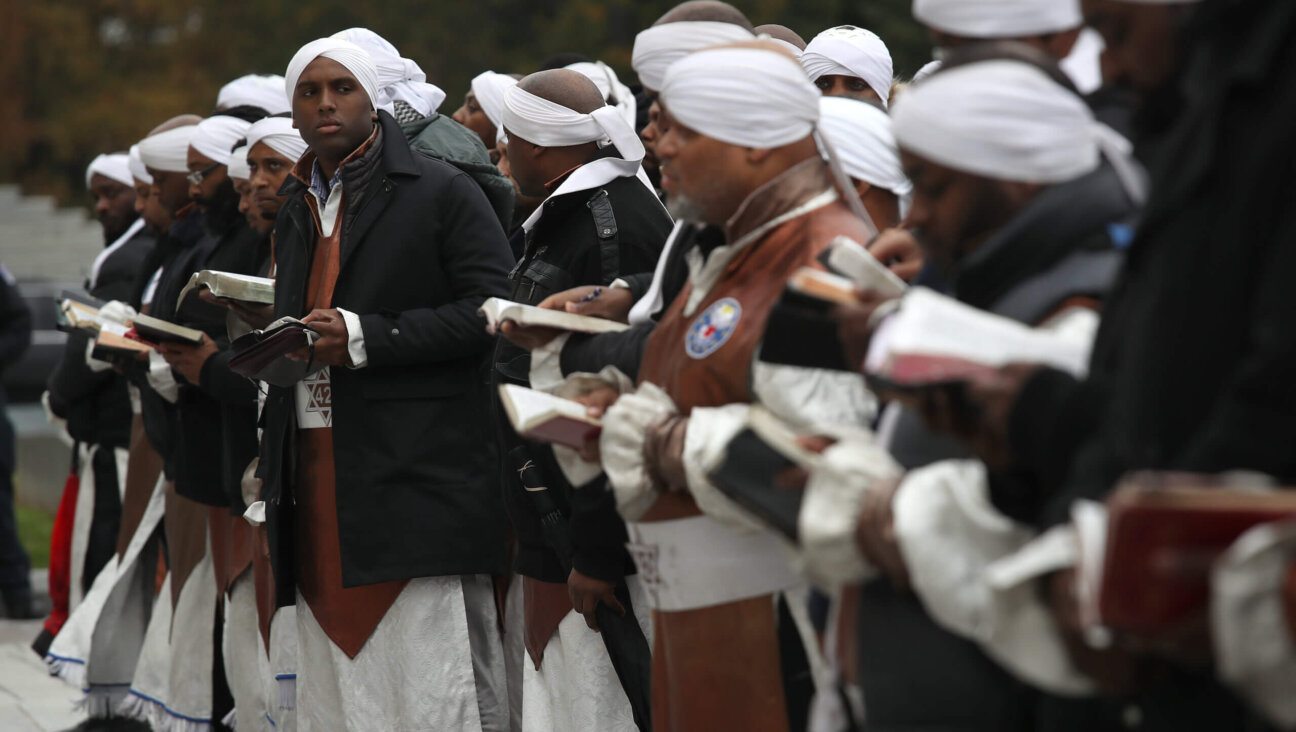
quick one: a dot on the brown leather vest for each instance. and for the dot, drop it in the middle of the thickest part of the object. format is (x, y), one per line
(704, 359)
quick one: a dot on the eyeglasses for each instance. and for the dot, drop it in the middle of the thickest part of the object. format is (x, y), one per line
(196, 178)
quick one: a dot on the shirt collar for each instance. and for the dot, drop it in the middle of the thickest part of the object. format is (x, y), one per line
(319, 185)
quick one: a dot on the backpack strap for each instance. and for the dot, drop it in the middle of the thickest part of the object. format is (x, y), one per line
(605, 228)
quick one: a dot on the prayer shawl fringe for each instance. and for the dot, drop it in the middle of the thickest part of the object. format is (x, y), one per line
(157, 716)
(68, 669)
(231, 720)
(102, 702)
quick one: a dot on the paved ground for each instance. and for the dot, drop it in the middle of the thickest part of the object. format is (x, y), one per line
(30, 699)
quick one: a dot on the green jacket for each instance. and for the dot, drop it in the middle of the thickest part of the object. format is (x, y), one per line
(444, 139)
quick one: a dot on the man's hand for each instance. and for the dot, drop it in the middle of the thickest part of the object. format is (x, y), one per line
(331, 348)
(855, 326)
(596, 401)
(586, 594)
(610, 303)
(899, 251)
(1114, 669)
(188, 360)
(875, 533)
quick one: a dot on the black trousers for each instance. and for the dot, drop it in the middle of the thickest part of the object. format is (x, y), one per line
(15, 566)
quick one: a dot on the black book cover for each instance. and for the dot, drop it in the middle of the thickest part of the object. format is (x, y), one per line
(749, 477)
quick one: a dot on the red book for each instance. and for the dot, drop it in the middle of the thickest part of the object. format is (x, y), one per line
(1164, 533)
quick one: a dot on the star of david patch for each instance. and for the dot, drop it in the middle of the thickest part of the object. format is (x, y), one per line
(713, 328)
(319, 396)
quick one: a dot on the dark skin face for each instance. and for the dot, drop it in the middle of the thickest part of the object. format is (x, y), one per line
(247, 208)
(955, 212)
(332, 112)
(204, 192)
(688, 162)
(1143, 43)
(114, 204)
(269, 170)
(833, 85)
(470, 115)
(156, 217)
(170, 188)
(882, 205)
(523, 204)
(649, 134)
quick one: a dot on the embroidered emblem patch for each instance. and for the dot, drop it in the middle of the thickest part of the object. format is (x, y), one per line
(713, 328)
(319, 391)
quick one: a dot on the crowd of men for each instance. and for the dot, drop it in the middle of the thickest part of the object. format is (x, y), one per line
(376, 548)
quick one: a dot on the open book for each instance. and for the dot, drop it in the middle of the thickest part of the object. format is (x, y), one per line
(231, 286)
(849, 259)
(749, 474)
(1163, 533)
(156, 330)
(497, 310)
(547, 418)
(933, 340)
(74, 315)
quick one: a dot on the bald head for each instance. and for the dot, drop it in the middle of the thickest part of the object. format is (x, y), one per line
(181, 120)
(705, 10)
(571, 89)
(782, 33)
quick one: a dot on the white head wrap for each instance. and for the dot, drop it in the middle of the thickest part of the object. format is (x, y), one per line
(137, 169)
(927, 70)
(398, 78)
(215, 136)
(861, 135)
(354, 58)
(1008, 120)
(1084, 63)
(112, 165)
(850, 51)
(489, 88)
(998, 18)
(656, 48)
(609, 86)
(548, 124)
(279, 135)
(237, 167)
(258, 90)
(749, 97)
(168, 151)
(792, 49)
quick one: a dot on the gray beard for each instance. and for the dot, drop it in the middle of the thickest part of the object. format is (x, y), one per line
(682, 208)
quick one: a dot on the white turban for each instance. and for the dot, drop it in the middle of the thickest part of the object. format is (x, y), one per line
(548, 124)
(237, 167)
(609, 86)
(137, 169)
(850, 51)
(860, 134)
(791, 48)
(660, 46)
(998, 18)
(279, 135)
(214, 137)
(112, 165)
(1007, 120)
(398, 78)
(258, 90)
(168, 151)
(489, 88)
(750, 97)
(927, 70)
(354, 58)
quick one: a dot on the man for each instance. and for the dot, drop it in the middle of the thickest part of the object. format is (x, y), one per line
(15, 336)
(860, 134)
(767, 206)
(95, 403)
(1136, 409)
(238, 173)
(262, 92)
(788, 38)
(274, 147)
(847, 61)
(482, 110)
(1014, 198)
(599, 221)
(394, 432)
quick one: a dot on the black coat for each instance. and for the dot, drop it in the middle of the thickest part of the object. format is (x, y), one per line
(573, 245)
(96, 404)
(414, 457)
